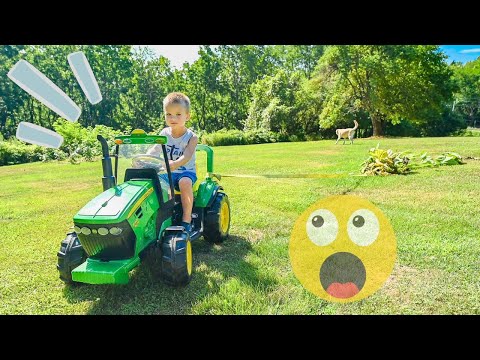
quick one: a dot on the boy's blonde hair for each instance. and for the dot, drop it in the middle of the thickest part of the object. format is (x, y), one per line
(177, 98)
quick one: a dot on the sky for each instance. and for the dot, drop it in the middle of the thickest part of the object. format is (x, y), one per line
(462, 53)
(178, 54)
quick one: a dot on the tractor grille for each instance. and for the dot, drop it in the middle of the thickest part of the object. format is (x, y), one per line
(108, 247)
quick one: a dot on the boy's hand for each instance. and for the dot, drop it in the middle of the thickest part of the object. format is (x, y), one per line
(172, 164)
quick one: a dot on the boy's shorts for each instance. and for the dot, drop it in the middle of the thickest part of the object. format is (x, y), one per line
(177, 176)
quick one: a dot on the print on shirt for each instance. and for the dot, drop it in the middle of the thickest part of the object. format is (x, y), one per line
(174, 153)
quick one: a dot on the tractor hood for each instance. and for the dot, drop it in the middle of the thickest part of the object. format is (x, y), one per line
(112, 205)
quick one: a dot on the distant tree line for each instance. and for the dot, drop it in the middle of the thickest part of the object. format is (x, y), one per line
(291, 90)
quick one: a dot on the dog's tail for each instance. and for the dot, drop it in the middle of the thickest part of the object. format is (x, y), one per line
(356, 125)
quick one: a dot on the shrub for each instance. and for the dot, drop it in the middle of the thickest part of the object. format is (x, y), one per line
(237, 137)
(260, 136)
(15, 152)
(224, 138)
(385, 162)
(80, 143)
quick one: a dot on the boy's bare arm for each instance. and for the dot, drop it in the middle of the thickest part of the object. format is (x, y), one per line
(187, 154)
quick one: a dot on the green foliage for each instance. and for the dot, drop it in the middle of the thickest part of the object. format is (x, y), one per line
(282, 103)
(224, 137)
(236, 137)
(448, 123)
(14, 152)
(467, 94)
(446, 158)
(299, 92)
(81, 143)
(389, 82)
(293, 58)
(385, 162)
(449, 158)
(260, 136)
(470, 132)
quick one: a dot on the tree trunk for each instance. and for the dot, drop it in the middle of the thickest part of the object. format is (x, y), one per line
(377, 126)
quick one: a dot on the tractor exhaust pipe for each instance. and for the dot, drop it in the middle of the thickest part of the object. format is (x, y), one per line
(108, 180)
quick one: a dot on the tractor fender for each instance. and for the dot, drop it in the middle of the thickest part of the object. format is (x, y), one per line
(215, 191)
(206, 193)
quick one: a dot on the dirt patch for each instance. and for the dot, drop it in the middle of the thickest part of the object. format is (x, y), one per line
(254, 235)
(401, 276)
(429, 291)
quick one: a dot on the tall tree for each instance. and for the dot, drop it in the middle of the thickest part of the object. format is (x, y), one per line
(293, 58)
(467, 98)
(389, 82)
(204, 89)
(273, 106)
(242, 65)
(11, 96)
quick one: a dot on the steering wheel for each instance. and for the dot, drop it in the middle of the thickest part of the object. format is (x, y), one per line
(143, 161)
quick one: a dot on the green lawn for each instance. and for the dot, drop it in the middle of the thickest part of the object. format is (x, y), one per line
(435, 214)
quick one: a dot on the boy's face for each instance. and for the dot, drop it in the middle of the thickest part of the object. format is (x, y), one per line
(176, 115)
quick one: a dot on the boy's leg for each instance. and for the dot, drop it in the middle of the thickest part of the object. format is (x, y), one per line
(185, 184)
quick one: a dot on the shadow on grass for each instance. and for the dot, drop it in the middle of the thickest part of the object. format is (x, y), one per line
(147, 294)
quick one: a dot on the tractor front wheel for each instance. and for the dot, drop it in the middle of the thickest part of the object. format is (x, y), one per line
(70, 255)
(176, 258)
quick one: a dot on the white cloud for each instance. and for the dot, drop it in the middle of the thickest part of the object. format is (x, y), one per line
(470, 51)
(177, 54)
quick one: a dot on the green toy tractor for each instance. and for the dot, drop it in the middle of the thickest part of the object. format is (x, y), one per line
(114, 230)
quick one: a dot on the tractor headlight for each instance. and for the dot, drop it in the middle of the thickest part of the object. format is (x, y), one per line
(85, 231)
(115, 231)
(103, 231)
(77, 229)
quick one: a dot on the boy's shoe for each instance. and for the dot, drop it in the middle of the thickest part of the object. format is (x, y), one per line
(187, 226)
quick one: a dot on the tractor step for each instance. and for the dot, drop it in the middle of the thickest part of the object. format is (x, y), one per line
(104, 272)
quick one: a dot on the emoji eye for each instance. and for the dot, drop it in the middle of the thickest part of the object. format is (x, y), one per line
(322, 227)
(363, 227)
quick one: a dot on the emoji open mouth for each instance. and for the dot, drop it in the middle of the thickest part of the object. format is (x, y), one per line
(342, 275)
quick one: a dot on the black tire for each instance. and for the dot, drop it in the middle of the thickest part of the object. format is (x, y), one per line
(217, 224)
(70, 255)
(176, 258)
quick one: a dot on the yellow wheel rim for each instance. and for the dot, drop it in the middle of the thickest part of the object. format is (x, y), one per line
(224, 217)
(189, 258)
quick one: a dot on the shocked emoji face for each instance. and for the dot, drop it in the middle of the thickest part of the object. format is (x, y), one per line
(342, 248)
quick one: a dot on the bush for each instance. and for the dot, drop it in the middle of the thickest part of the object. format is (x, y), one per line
(224, 138)
(260, 136)
(468, 133)
(15, 152)
(237, 137)
(80, 143)
(385, 162)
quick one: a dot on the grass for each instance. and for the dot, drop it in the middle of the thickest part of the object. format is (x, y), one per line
(434, 212)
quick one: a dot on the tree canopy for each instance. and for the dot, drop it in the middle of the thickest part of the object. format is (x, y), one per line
(293, 90)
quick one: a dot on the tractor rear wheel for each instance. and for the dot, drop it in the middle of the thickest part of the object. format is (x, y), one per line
(217, 219)
(176, 258)
(70, 255)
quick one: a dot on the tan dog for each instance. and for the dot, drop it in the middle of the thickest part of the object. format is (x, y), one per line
(347, 133)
